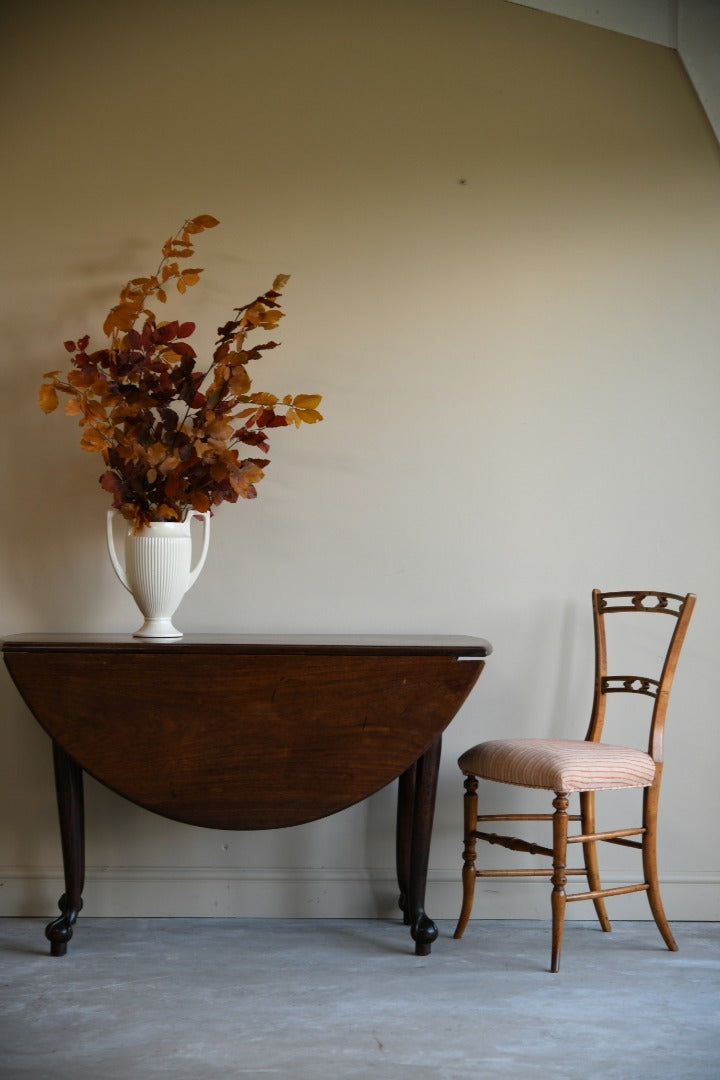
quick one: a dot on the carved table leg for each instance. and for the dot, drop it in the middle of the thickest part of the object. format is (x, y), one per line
(423, 929)
(403, 838)
(69, 790)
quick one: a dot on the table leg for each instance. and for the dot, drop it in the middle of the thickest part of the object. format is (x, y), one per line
(403, 838)
(69, 790)
(417, 850)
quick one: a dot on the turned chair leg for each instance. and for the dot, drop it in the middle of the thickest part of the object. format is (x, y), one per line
(469, 877)
(649, 858)
(559, 877)
(587, 819)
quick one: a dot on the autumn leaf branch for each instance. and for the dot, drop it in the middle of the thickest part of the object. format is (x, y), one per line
(167, 432)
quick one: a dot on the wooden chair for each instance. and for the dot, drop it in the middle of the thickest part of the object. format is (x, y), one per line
(586, 766)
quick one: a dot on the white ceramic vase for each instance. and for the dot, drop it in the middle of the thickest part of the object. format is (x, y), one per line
(157, 570)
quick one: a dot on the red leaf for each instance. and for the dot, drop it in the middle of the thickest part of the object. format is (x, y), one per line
(110, 482)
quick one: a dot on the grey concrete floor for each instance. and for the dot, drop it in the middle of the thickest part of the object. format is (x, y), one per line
(348, 1000)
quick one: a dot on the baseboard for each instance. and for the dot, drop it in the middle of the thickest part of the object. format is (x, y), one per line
(121, 892)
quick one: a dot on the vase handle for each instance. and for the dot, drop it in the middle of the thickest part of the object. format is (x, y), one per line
(206, 543)
(113, 555)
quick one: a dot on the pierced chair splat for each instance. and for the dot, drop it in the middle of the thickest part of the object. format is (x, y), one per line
(566, 766)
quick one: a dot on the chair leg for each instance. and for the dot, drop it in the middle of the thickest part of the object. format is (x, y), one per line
(559, 877)
(587, 818)
(468, 873)
(649, 857)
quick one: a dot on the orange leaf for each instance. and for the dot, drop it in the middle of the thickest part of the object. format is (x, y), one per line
(155, 453)
(122, 317)
(73, 407)
(92, 440)
(205, 221)
(48, 398)
(240, 382)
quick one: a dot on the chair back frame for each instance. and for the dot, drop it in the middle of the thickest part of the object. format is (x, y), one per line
(655, 603)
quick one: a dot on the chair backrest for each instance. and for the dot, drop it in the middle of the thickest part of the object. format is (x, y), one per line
(643, 602)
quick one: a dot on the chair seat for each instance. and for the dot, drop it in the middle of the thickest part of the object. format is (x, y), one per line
(559, 764)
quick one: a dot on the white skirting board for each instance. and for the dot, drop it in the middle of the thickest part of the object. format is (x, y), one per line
(174, 892)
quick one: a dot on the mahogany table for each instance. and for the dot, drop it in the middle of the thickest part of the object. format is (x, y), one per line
(238, 732)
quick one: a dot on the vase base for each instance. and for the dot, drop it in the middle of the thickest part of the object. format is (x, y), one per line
(157, 628)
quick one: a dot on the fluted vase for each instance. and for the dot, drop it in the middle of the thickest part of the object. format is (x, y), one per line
(158, 569)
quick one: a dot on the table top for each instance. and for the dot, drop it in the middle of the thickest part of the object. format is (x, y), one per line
(244, 731)
(281, 644)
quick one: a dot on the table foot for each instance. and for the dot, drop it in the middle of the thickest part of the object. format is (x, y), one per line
(423, 932)
(60, 930)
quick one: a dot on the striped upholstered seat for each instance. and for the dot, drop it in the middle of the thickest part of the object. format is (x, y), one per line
(559, 764)
(571, 767)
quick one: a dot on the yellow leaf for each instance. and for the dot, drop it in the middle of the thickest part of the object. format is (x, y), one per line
(309, 416)
(48, 398)
(271, 318)
(307, 401)
(264, 399)
(280, 282)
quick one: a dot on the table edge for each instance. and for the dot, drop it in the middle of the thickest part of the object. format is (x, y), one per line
(254, 644)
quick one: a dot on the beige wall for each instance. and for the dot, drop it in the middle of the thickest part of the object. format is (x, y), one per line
(520, 378)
